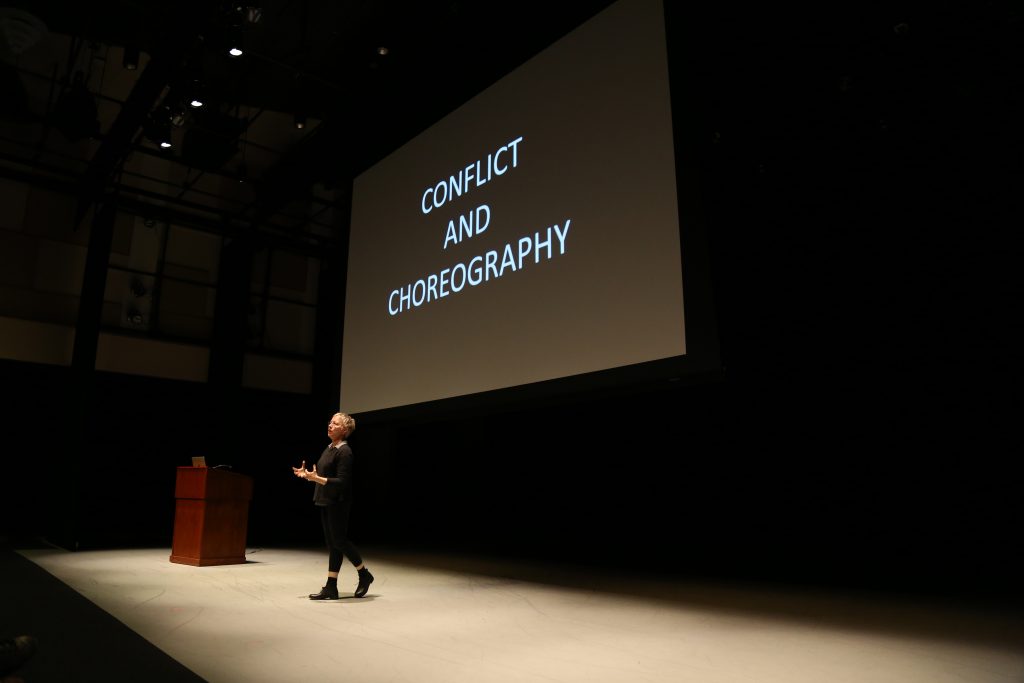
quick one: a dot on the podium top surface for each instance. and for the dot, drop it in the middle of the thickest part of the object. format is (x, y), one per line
(205, 483)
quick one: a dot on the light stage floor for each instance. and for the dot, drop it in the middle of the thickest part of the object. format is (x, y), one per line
(443, 619)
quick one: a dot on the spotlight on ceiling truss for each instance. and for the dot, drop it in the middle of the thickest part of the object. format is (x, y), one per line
(157, 127)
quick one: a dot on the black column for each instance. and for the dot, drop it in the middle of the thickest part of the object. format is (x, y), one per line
(72, 484)
(227, 348)
(330, 309)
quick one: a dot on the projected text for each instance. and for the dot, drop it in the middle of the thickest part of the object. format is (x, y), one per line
(490, 265)
(482, 268)
(473, 175)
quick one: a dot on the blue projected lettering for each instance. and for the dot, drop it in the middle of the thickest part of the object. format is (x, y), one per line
(493, 263)
(469, 224)
(480, 269)
(479, 172)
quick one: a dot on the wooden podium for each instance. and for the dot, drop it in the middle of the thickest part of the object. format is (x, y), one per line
(211, 516)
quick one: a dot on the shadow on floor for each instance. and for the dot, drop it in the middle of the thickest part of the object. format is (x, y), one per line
(77, 641)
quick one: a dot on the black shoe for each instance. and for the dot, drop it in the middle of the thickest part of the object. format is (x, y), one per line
(365, 579)
(326, 593)
(14, 652)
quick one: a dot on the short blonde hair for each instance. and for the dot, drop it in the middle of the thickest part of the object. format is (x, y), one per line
(347, 421)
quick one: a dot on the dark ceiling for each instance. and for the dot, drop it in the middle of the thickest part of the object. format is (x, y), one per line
(366, 76)
(780, 92)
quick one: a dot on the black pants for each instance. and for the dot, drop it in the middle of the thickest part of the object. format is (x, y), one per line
(335, 522)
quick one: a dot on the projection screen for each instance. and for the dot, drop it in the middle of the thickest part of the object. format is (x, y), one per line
(532, 234)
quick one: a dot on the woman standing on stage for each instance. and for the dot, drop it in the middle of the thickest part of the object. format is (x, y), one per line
(332, 475)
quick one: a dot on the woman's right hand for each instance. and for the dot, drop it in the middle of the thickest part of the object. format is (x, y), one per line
(300, 471)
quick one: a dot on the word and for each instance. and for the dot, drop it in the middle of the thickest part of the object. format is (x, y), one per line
(470, 224)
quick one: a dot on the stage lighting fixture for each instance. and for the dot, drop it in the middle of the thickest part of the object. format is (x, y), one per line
(233, 28)
(130, 60)
(177, 116)
(382, 51)
(157, 127)
(194, 95)
(135, 317)
(300, 121)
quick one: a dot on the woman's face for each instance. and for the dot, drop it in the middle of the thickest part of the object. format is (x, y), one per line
(335, 430)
